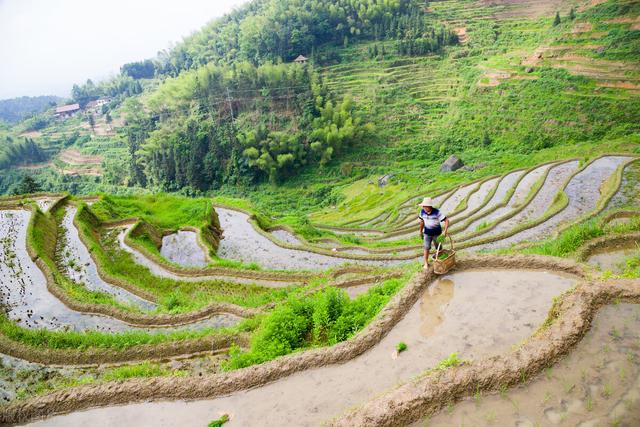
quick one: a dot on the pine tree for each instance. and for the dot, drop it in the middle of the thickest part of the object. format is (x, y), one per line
(572, 14)
(27, 186)
(556, 20)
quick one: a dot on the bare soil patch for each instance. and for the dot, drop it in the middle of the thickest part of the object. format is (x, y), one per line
(75, 157)
(582, 27)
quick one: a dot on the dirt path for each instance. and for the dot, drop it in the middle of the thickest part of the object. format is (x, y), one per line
(473, 313)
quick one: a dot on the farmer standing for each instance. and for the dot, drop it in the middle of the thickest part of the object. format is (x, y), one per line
(430, 228)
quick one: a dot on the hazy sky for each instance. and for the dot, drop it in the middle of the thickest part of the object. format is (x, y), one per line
(48, 45)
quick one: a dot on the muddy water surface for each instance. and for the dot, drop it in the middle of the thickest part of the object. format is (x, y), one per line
(473, 313)
(78, 265)
(614, 260)
(241, 242)
(182, 248)
(583, 193)
(540, 203)
(598, 384)
(478, 197)
(449, 205)
(629, 192)
(286, 236)
(23, 287)
(45, 203)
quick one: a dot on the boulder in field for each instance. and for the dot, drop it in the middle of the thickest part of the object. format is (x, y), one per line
(451, 164)
(384, 180)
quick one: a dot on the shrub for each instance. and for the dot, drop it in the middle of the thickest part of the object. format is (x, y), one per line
(324, 318)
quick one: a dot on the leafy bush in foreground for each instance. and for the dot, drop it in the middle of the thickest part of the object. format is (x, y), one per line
(324, 318)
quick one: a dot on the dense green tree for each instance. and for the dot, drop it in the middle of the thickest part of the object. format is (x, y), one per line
(28, 185)
(236, 123)
(139, 70)
(556, 20)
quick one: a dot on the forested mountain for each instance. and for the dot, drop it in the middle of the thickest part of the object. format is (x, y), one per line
(16, 109)
(386, 86)
(238, 108)
(18, 151)
(271, 30)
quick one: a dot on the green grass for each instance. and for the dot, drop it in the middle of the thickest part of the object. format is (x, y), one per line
(449, 362)
(72, 340)
(166, 211)
(219, 422)
(577, 235)
(142, 370)
(324, 318)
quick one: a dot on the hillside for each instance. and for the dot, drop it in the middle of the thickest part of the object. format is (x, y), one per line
(492, 82)
(17, 109)
(223, 235)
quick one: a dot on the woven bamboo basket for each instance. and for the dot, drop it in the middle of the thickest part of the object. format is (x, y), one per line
(444, 259)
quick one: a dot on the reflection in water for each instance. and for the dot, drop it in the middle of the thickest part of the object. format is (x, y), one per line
(434, 301)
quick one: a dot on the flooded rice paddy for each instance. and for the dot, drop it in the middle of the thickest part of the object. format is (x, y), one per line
(241, 242)
(77, 264)
(540, 203)
(472, 313)
(598, 384)
(24, 292)
(183, 248)
(27, 301)
(161, 271)
(519, 195)
(614, 259)
(582, 199)
(476, 199)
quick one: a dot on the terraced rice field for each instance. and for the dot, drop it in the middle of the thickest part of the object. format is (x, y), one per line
(457, 324)
(440, 322)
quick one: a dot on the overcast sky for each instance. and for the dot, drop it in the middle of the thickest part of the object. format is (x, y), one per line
(48, 45)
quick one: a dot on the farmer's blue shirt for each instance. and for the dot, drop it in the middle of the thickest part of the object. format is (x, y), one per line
(432, 221)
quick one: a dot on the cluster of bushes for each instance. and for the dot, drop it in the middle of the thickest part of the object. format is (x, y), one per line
(324, 318)
(274, 30)
(238, 124)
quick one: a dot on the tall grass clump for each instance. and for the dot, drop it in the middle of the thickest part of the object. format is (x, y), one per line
(324, 318)
(577, 235)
